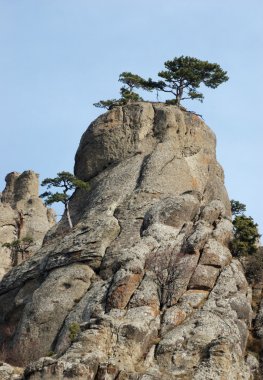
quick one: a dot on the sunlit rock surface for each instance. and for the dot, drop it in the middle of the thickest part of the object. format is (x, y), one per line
(144, 286)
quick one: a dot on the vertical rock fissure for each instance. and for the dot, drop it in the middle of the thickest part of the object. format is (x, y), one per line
(142, 169)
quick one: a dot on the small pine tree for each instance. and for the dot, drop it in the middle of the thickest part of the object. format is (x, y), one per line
(19, 247)
(130, 82)
(108, 104)
(237, 208)
(67, 182)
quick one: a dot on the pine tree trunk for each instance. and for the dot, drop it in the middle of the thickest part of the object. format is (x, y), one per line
(68, 215)
(179, 94)
(20, 223)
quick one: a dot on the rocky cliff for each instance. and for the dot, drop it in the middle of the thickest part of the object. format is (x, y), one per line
(144, 285)
(22, 214)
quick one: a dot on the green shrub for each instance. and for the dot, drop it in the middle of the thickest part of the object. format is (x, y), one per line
(74, 330)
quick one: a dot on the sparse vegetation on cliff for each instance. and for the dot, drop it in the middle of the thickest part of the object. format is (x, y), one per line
(163, 268)
(74, 330)
(19, 247)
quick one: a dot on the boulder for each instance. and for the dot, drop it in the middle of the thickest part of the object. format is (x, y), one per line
(144, 286)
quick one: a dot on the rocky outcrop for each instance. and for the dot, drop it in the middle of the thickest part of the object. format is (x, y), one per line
(7, 372)
(144, 286)
(22, 214)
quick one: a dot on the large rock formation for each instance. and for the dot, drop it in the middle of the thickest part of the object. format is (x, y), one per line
(22, 214)
(144, 285)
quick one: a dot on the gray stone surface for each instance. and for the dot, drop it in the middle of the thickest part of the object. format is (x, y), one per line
(145, 273)
(215, 254)
(7, 372)
(204, 277)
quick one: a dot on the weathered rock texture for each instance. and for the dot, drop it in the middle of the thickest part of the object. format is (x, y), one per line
(22, 214)
(144, 285)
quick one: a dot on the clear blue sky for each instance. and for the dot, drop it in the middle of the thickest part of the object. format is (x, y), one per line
(58, 57)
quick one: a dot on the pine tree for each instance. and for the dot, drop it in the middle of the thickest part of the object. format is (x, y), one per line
(67, 182)
(19, 247)
(182, 77)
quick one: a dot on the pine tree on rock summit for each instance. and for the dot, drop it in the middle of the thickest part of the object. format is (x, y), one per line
(182, 78)
(184, 75)
(130, 82)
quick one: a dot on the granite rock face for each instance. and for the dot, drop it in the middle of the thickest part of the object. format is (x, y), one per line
(144, 286)
(22, 214)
